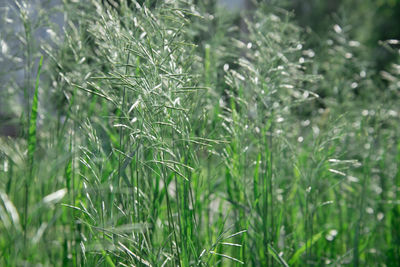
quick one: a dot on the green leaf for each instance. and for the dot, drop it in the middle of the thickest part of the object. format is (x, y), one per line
(301, 250)
(33, 119)
(276, 256)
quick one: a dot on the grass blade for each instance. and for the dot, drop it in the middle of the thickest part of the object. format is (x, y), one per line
(33, 118)
(302, 249)
(31, 145)
(276, 256)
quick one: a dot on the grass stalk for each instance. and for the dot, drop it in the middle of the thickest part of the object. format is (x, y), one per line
(32, 143)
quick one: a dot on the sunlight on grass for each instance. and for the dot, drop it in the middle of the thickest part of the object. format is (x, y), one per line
(167, 133)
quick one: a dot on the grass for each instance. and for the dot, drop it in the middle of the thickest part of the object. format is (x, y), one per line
(31, 146)
(165, 135)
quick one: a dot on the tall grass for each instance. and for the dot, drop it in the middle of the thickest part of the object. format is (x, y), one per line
(166, 135)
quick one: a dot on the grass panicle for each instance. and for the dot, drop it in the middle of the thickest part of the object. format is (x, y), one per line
(168, 133)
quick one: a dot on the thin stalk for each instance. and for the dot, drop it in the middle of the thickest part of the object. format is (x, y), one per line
(271, 191)
(121, 131)
(178, 207)
(356, 251)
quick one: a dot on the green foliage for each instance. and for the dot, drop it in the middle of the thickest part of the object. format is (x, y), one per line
(177, 134)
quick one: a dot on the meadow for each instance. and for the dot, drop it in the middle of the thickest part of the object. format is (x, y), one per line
(179, 133)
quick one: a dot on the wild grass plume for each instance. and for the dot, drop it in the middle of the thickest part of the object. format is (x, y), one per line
(180, 133)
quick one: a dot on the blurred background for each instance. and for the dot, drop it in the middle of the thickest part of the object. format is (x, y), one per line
(366, 21)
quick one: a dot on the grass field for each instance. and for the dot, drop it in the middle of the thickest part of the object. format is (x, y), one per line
(175, 134)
